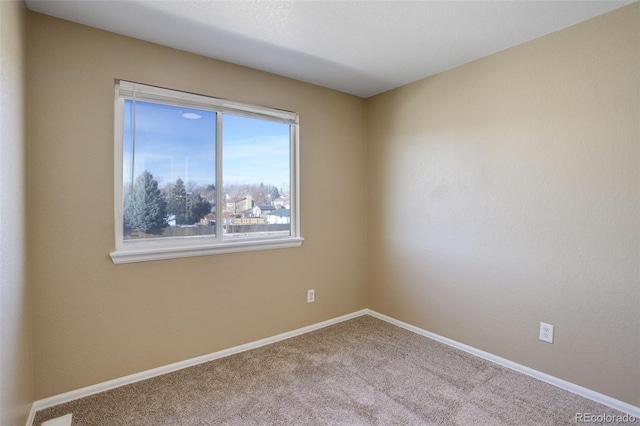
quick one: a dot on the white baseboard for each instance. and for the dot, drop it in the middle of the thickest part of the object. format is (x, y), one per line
(132, 378)
(111, 384)
(632, 410)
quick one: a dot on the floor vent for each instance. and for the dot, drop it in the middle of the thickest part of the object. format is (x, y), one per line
(59, 421)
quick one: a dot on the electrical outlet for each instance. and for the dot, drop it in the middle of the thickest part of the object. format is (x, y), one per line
(311, 296)
(546, 332)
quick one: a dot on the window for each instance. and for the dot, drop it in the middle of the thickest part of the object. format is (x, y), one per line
(196, 175)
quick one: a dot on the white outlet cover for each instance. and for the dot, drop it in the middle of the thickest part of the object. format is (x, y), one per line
(546, 332)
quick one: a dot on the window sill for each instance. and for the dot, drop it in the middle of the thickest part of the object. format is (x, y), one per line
(132, 255)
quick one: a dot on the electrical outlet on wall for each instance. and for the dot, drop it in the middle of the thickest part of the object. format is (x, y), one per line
(311, 296)
(546, 332)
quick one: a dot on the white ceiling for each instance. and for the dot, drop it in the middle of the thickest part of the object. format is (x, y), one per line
(357, 47)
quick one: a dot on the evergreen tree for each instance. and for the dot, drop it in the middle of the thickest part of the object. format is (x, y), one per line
(199, 208)
(178, 203)
(145, 209)
(275, 194)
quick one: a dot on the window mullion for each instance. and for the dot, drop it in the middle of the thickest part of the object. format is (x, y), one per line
(294, 180)
(219, 194)
(118, 188)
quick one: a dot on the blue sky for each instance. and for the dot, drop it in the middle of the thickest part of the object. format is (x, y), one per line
(171, 146)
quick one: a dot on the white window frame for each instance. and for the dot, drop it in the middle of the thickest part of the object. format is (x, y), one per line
(129, 251)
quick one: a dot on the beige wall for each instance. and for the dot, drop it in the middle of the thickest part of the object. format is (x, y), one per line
(95, 321)
(505, 192)
(16, 370)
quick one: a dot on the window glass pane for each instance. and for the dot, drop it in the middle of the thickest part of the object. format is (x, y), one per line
(256, 177)
(168, 171)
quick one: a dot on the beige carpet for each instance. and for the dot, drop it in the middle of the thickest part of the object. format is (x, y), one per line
(360, 372)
